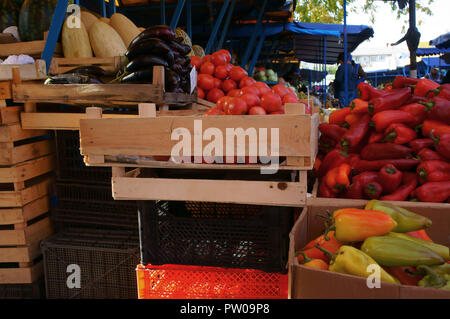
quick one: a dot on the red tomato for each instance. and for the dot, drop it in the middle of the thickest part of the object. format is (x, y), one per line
(262, 87)
(229, 67)
(290, 98)
(234, 93)
(207, 58)
(237, 106)
(228, 85)
(246, 81)
(271, 102)
(200, 93)
(237, 73)
(218, 58)
(214, 95)
(222, 103)
(217, 83)
(213, 111)
(205, 81)
(221, 72)
(251, 99)
(196, 61)
(277, 112)
(226, 53)
(281, 90)
(207, 68)
(257, 110)
(250, 90)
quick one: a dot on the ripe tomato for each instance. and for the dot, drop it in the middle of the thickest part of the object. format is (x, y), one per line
(234, 93)
(219, 58)
(214, 111)
(222, 103)
(228, 85)
(221, 72)
(229, 67)
(246, 81)
(214, 95)
(271, 102)
(226, 53)
(237, 106)
(281, 90)
(196, 61)
(217, 83)
(200, 93)
(207, 68)
(251, 99)
(290, 98)
(277, 112)
(257, 110)
(207, 58)
(205, 81)
(262, 87)
(250, 90)
(237, 73)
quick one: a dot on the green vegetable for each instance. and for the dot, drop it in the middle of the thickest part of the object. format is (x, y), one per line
(35, 18)
(9, 12)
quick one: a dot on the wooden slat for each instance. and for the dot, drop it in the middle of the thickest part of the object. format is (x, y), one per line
(31, 234)
(34, 209)
(14, 132)
(20, 253)
(61, 65)
(32, 48)
(34, 71)
(22, 153)
(21, 275)
(10, 114)
(225, 191)
(24, 171)
(27, 195)
(5, 90)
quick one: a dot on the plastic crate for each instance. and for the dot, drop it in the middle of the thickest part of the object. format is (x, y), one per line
(196, 282)
(215, 234)
(35, 290)
(71, 165)
(107, 261)
(91, 205)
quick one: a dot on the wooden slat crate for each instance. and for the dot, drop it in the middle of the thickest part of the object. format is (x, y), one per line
(31, 48)
(131, 143)
(63, 65)
(36, 71)
(17, 196)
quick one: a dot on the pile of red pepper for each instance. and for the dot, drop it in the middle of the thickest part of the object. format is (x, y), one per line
(390, 144)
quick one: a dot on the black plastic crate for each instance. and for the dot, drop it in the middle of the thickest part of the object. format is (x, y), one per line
(215, 234)
(35, 290)
(107, 261)
(91, 205)
(71, 165)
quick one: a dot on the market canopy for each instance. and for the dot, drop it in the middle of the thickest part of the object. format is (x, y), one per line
(431, 51)
(436, 62)
(312, 75)
(442, 41)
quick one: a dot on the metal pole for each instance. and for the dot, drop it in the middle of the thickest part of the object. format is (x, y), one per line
(189, 18)
(257, 51)
(111, 7)
(163, 12)
(412, 26)
(213, 35)
(325, 77)
(177, 14)
(346, 102)
(103, 8)
(226, 25)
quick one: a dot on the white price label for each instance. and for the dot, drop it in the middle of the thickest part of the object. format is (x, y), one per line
(193, 79)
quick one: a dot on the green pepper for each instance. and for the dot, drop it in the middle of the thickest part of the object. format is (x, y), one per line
(441, 250)
(443, 269)
(407, 221)
(433, 279)
(391, 251)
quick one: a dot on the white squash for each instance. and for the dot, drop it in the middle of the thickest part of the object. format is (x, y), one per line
(105, 41)
(75, 41)
(125, 27)
(88, 19)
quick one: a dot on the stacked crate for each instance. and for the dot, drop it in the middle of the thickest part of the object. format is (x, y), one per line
(27, 162)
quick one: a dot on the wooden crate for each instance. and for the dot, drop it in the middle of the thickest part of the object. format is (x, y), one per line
(129, 142)
(18, 194)
(35, 71)
(31, 48)
(62, 65)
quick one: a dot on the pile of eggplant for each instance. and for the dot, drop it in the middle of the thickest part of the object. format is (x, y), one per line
(158, 45)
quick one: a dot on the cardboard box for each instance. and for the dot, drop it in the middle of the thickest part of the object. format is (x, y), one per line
(308, 283)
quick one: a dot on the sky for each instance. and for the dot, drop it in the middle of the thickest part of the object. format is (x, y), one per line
(387, 29)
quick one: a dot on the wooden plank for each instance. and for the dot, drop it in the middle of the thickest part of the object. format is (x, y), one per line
(152, 136)
(62, 65)
(27, 170)
(33, 71)
(20, 253)
(34, 209)
(5, 90)
(14, 132)
(21, 275)
(87, 93)
(31, 234)
(22, 153)
(27, 195)
(225, 191)
(10, 114)
(32, 48)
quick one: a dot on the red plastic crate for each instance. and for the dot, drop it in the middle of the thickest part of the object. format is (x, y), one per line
(199, 282)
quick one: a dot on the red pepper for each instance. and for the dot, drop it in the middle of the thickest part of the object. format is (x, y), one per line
(399, 134)
(354, 191)
(409, 183)
(443, 91)
(403, 164)
(427, 155)
(337, 179)
(422, 234)
(334, 158)
(385, 118)
(375, 137)
(381, 151)
(338, 116)
(326, 144)
(415, 99)
(437, 192)
(405, 277)
(366, 177)
(437, 127)
(373, 190)
(356, 133)
(423, 86)
(403, 81)
(417, 110)
(388, 87)
(367, 92)
(421, 143)
(390, 178)
(390, 101)
(433, 171)
(332, 130)
(438, 109)
(353, 118)
(359, 106)
(442, 144)
(325, 191)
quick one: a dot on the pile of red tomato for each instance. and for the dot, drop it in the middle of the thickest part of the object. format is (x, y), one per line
(233, 91)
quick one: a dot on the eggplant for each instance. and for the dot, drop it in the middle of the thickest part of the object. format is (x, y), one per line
(68, 78)
(162, 32)
(183, 49)
(145, 62)
(152, 46)
(177, 68)
(141, 76)
(172, 79)
(89, 70)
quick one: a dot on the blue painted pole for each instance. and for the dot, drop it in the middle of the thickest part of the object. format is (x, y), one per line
(325, 71)
(257, 51)
(213, 36)
(103, 4)
(163, 12)
(226, 25)
(253, 36)
(177, 14)
(111, 7)
(55, 29)
(345, 54)
(189, 18)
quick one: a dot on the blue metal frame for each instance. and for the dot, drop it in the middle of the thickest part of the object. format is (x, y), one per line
(177, 14)
(346, 102)
(226, 25)
(111, 7)
(103, 6)
(257, 51)
(215, 30)
(189, 18)
(163, 12)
